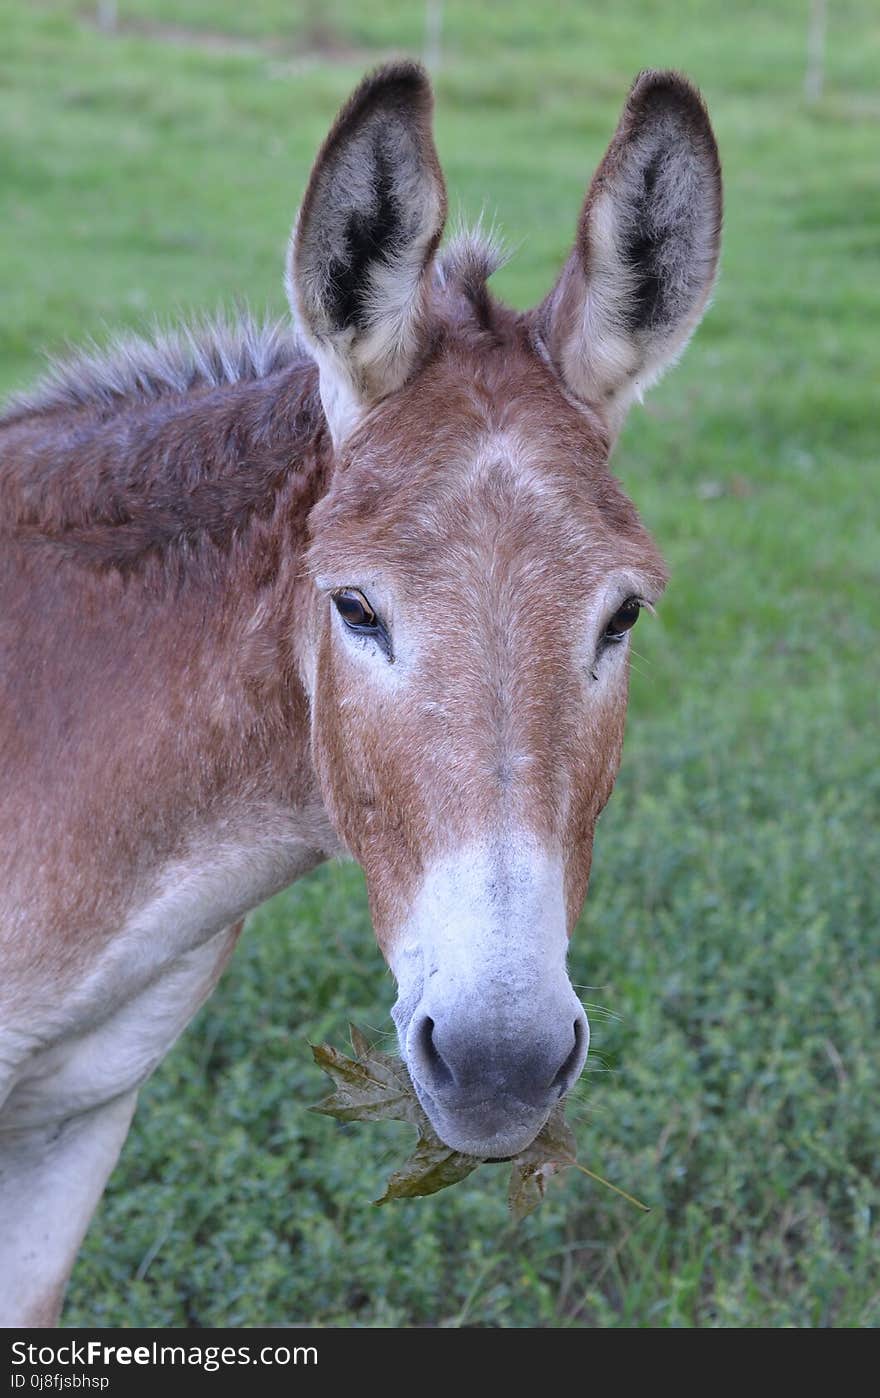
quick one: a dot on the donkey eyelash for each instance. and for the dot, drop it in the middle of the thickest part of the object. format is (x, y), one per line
(609, 638)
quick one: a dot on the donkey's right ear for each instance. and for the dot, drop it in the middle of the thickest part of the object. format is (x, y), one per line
(369, 224)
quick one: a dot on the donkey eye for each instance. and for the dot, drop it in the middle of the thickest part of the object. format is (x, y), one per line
(359, 617)
(355, 610)
(624, 620)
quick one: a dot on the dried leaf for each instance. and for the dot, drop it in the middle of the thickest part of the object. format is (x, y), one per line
(551, 1151)
(528, 1185)
(431, 1166)
(359, 1041)
(375, 1086)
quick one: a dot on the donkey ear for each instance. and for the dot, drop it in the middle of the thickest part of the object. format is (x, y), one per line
(643, 264)
(371, 219)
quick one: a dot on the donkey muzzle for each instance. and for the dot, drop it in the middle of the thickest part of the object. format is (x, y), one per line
(489, 1088)
(488, 1022)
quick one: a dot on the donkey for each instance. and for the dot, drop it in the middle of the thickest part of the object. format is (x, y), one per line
(363, 587)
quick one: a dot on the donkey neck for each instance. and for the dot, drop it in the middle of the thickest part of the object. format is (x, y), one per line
(119, 481)
(153, 583)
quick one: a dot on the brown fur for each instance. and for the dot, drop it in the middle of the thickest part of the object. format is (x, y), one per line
(149, 574)
(177, 527)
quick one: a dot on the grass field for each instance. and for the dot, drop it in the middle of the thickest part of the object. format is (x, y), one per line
(729, 946)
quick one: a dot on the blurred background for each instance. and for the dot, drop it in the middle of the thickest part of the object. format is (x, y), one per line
(152, 155)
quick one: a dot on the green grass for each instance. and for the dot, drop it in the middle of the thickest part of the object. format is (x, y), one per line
(731, 930)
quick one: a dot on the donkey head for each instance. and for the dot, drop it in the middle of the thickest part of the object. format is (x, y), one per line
(477, 571)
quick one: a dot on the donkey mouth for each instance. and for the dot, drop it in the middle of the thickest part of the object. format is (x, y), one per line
(493, 1126)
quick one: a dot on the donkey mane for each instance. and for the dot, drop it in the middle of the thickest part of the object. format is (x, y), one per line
(171, 443)
(215, 351)
(186, 436)
(207, 354)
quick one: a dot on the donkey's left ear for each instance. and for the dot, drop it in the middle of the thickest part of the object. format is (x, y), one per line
(644, 261)
(371, 219)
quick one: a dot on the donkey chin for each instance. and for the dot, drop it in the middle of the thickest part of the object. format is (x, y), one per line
(488, 1023)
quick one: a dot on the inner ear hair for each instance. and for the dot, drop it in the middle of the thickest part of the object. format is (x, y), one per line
(663, 174)
(646, 251)
(372, 216)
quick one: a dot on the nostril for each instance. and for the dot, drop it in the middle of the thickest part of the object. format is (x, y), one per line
(568, 1072)
(431, 1055)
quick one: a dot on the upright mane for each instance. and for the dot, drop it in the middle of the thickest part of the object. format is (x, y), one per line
(155, 440)
(216, 350)
(151, 444)
(208, 353)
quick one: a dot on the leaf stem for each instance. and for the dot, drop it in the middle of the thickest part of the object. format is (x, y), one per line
(608, 1185)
